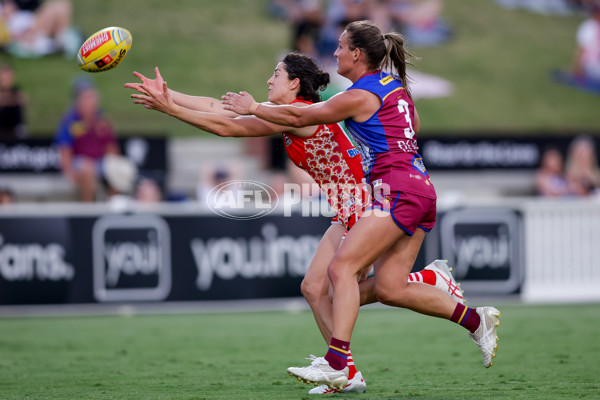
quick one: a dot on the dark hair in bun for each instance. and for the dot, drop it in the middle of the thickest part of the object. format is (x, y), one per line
(312, 79)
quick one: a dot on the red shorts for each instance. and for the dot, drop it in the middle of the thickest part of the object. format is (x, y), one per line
(409, 211)
(348, 222)
(350, 215)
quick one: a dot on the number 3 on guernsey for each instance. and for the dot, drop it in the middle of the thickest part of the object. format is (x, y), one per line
(403, 109)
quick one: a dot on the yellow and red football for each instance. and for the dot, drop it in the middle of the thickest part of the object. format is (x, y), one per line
(105, 49)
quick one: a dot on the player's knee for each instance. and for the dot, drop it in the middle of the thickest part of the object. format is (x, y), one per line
(389, 296)
(335, 272)
(310, 290)
(341, 271)
(383, 296)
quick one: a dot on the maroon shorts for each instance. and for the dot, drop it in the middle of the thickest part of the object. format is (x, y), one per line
(409, 211)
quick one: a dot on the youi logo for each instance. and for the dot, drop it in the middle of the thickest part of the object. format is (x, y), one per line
(242, 199)
(132, 258)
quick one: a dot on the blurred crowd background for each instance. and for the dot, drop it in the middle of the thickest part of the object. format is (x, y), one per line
(86, 118)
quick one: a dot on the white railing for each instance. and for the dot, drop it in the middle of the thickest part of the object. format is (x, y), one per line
(562, 244)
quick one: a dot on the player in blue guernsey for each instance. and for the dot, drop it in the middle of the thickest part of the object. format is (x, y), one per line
(388, 141)
(380, 114)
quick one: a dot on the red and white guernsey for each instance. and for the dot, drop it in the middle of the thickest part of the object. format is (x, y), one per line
(331, 159)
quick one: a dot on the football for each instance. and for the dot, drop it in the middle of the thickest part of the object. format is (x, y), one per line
(104, 50)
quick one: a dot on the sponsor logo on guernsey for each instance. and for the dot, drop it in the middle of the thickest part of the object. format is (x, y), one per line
(95, 43)
(417, 163)
(386, 80)
(353, 152)
(287, 140)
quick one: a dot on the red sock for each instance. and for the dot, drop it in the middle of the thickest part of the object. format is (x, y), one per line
(337, 355)
(466, 317)
(425, 276)
(351, 367)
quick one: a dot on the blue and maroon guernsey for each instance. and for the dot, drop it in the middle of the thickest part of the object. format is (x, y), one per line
(387, 141)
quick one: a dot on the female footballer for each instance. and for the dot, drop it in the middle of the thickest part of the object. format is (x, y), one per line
(380, 115)
(323, 150)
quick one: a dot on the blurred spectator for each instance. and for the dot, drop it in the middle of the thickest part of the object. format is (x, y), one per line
(338, 14)
(120, 174)
(212, 176)
(583, 174)
(547, 7)
(586, 63)
(34, 28)
(281, 9)
(6, 196)
(85, 137)
(305, 18)
(585, 71)
(12, 105)
(420, 21)
(148, 191)
(550, 178)
(307, 27)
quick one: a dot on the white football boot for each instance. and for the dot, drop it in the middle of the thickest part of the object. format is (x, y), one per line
(445, 281)
(319, 372)
(316, 360)
(485, 335)
(357, 385)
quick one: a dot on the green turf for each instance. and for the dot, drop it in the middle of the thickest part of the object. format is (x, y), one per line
(499, 61)
(546, 352)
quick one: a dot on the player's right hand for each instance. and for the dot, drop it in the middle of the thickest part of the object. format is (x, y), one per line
(153, 84)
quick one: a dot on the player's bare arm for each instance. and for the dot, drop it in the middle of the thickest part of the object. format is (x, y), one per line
(417, 122)
(198, 103)
(241, 126)
(350, 104)
(248, 105)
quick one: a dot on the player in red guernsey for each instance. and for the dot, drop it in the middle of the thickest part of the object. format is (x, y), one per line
(379, 113)
(331, 160)
(324, 151)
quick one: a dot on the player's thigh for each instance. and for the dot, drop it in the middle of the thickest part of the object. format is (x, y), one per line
(370, 237)
(391, 270)
(317, 270)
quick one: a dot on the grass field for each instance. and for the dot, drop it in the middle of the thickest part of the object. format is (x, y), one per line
(546, 352)
(499, 61)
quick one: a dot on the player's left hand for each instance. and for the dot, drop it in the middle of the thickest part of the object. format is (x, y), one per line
(240, 103)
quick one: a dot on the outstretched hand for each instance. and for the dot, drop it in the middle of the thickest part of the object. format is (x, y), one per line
(159, 100)
(154, 84)
(241, 103)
